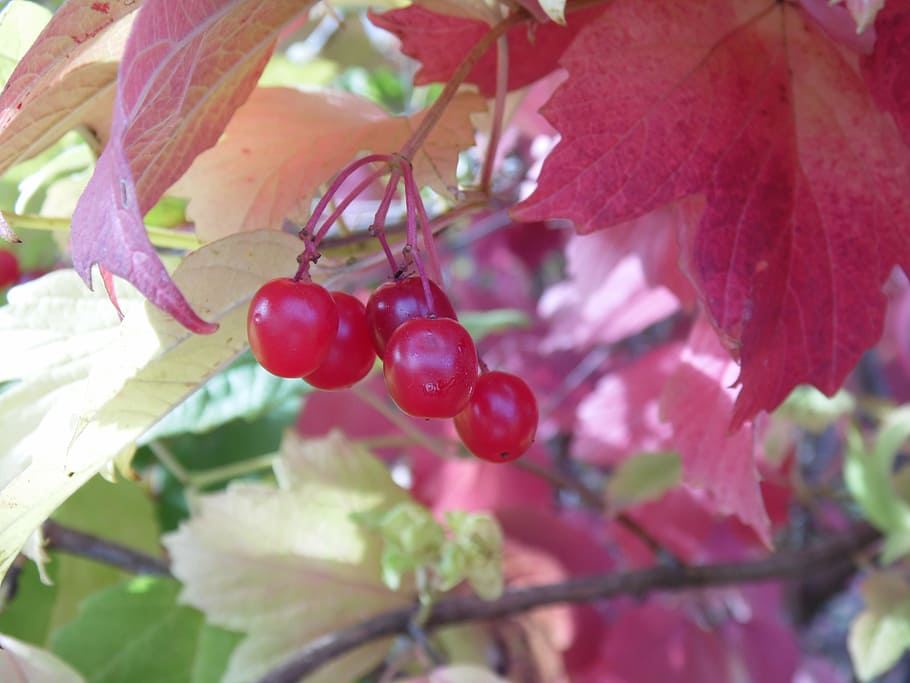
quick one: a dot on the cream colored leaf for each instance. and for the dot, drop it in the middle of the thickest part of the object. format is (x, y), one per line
(23, 662)
(555, 9)
(66, 79)
(287, 564)
(89, 386)
(283, 144)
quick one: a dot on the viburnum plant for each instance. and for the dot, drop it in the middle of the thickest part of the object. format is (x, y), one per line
(411, 319)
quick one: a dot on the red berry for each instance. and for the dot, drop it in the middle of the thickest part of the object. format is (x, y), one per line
(395, 302)
(431, 367)
(291, 326)
(500, 421)
(351, 355)
(9, 268)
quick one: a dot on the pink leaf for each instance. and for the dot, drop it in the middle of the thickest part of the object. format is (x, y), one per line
(182, 76)
(441, 42)
(886, 71)
(66, 78)
(621, 416)
(697, 403)
(622, 281)
(806, 183)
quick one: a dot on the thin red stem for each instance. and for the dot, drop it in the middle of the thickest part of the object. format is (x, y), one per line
(423, 220)
(499, 106)
(377, 229)
(345, 203)
(336, 184)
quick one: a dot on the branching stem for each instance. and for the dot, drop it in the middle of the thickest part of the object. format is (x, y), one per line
(779, 566)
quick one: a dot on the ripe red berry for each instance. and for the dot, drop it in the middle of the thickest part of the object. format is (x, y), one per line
(351, 355)
(395, 302)
(9, 269)
(291, 326)
(500, 421)
(431, 367)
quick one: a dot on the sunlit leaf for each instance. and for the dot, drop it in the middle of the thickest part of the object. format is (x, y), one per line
(286, 564)
(90, 386)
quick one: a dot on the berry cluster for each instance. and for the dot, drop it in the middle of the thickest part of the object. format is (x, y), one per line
(430, 363)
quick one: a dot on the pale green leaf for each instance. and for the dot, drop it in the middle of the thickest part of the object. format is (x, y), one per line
(459, 673)
(868, 475)
(644, 477)
(881, 633)
(285, 565)
(474, 552)
(20, 24)
(22, 662)
(90, 386)
(814, 411)
(482, 323)
(555, 9)
(136, 631)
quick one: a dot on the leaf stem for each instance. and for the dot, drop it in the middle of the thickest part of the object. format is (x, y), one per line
(164, 238)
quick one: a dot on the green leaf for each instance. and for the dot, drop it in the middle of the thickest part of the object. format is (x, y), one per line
(244, 391)
(814, 411)
(167, 213)
(473, 552)
(287, 564)
(869, 478)
(881, 633)
(22, 662)
(644, 477)
(88, 386)
(136, 631)
(483, 323)
(120, 512)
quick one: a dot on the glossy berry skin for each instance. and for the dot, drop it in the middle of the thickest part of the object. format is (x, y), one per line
(9, 269)
(430, 367)
(395, 302)
(500, 421)
(351, 355)
(291, 326)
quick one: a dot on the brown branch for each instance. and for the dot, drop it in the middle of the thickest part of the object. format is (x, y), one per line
(779, 566)
(92, 547)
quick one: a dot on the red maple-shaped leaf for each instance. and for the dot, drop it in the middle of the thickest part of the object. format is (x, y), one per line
(886, 70)
(806, 182)
(182, 75)
(441, 42)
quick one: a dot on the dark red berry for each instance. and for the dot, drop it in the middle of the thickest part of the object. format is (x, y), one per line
(351, 355)
(430, 367)
(500, 421)
(9, 269)
(291, 326)
(395, 302)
